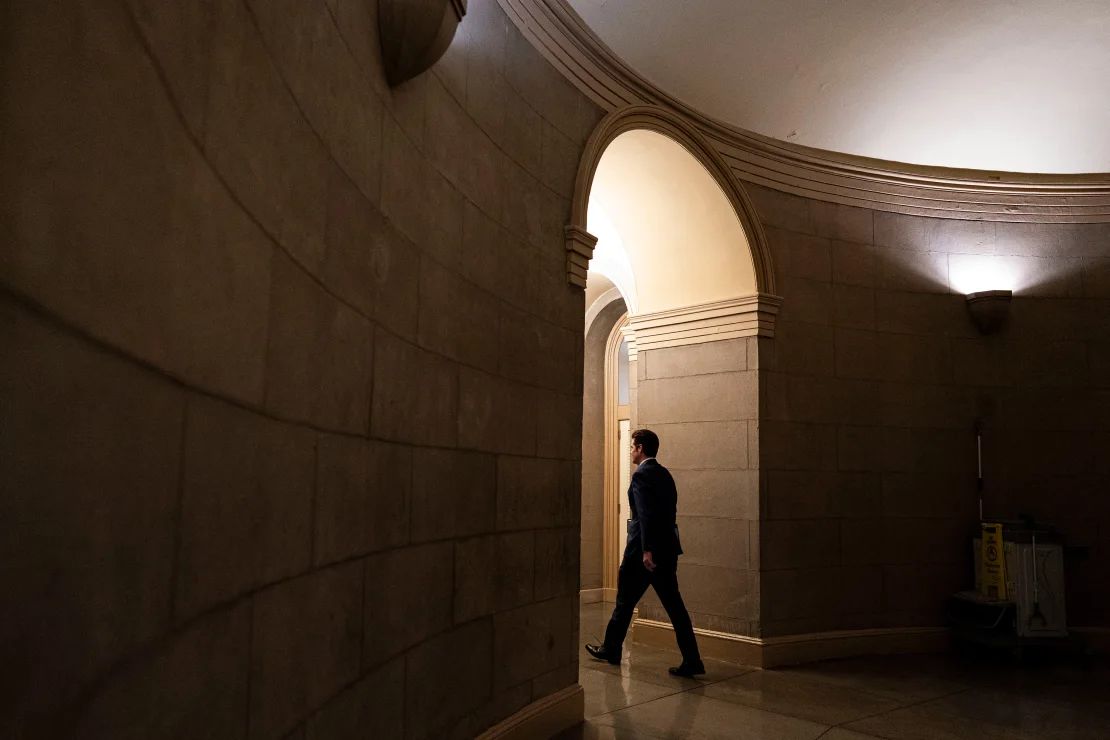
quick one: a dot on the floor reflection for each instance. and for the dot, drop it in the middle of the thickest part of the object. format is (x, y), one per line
(895, 697)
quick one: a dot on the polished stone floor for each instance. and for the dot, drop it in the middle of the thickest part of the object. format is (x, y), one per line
(911, 697)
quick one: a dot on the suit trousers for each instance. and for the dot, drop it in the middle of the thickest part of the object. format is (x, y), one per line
(632, 581)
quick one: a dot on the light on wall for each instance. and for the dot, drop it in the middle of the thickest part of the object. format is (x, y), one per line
(989, 309)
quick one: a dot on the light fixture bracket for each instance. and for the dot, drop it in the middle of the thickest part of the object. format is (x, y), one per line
(989, 309)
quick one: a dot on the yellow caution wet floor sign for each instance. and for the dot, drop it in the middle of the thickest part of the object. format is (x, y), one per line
(993, 585)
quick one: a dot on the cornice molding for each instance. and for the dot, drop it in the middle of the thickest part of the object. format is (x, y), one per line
(750, 316)
(572, 48)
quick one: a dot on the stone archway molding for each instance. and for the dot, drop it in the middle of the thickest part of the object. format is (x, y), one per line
(564, 39)
(752, 315)
(580, 243)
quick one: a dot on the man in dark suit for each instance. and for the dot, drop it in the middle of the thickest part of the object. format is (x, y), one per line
(650, 558)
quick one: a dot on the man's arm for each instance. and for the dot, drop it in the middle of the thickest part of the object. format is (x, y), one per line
(645, 511)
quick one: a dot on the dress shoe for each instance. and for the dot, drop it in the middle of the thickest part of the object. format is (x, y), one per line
(688, 670)
(599, 652)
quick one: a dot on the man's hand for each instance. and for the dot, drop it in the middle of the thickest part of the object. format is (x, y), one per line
(648, 562)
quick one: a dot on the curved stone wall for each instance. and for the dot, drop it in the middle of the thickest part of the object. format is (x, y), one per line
(868, 397)
(292, 375)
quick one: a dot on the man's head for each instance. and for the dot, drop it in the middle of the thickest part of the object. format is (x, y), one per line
(645, 444)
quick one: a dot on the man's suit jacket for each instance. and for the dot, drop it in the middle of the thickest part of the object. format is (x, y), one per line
(653, 501)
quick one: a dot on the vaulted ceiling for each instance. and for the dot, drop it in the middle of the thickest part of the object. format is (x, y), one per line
(1009, 85)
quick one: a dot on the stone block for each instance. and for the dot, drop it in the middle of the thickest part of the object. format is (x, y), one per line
(923, 405)
(407, 600)
(853, 306)
(304, 646)
(493, 573)
(858, 494)
(193, 685)
(1096, 277)
(839, 221)
(495, 414)
(924, 359)
(559, 160)
(320, 354)
(91, 457)
(809, 301)
(920, 591)
(556, 563)
(424, 412)
(730, 494)
(246, 93)
(862, 541)
(396, 264)
(912, 271)
(372, 707)
(453, 494)
(503, 704)
(706, 589)
(789, 544)
(363, 490)
(155, 238)
(857, 354)
(486, 88)
(559, 425)
(923, 313)
(804, 348)
(924, 234)
(800, 494)
(541, 86)
(483, 241)
(710, 445)
(929, 495)
(456, 317)
(352, 244)
(328, 83)
(522, 133)
(717, 397)
(419, 200)
(246, 511)
(781, 210)
(357, 22)
(695, 359)
(537, 352)
(797, 446)
(800, 255)
(436, 698)
(531, 640)
(534, 493)
(721, 543)
(854, 264)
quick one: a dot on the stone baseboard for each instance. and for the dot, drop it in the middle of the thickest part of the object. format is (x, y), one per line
(542, 718)
(597, 595)
(772, 652)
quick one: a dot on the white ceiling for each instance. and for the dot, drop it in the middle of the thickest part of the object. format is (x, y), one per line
(1013, 85)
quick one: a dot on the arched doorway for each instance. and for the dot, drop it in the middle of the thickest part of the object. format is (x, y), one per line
(660, 220)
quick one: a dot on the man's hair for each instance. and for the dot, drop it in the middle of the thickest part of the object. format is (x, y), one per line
(647, 439)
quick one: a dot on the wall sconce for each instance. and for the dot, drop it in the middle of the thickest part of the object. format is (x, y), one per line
(989, 309)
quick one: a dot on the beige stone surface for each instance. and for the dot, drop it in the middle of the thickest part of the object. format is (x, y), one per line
(373, 706)
(453, 494)
(246, 504)
(363, 497)
(716, 397)
(334, 94)
(531, 640)
(403, 411)
(246, 93)
(495, 415)
(716, 445)
(438, 698)
(305, 645)
(407, 599)
(194, 685)
(721, 543)
(556, 563)
(729, 494)
(696, 359)
(155, 239)
(320, 355)
(493, 573)
(91, 457)
(535, 493)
